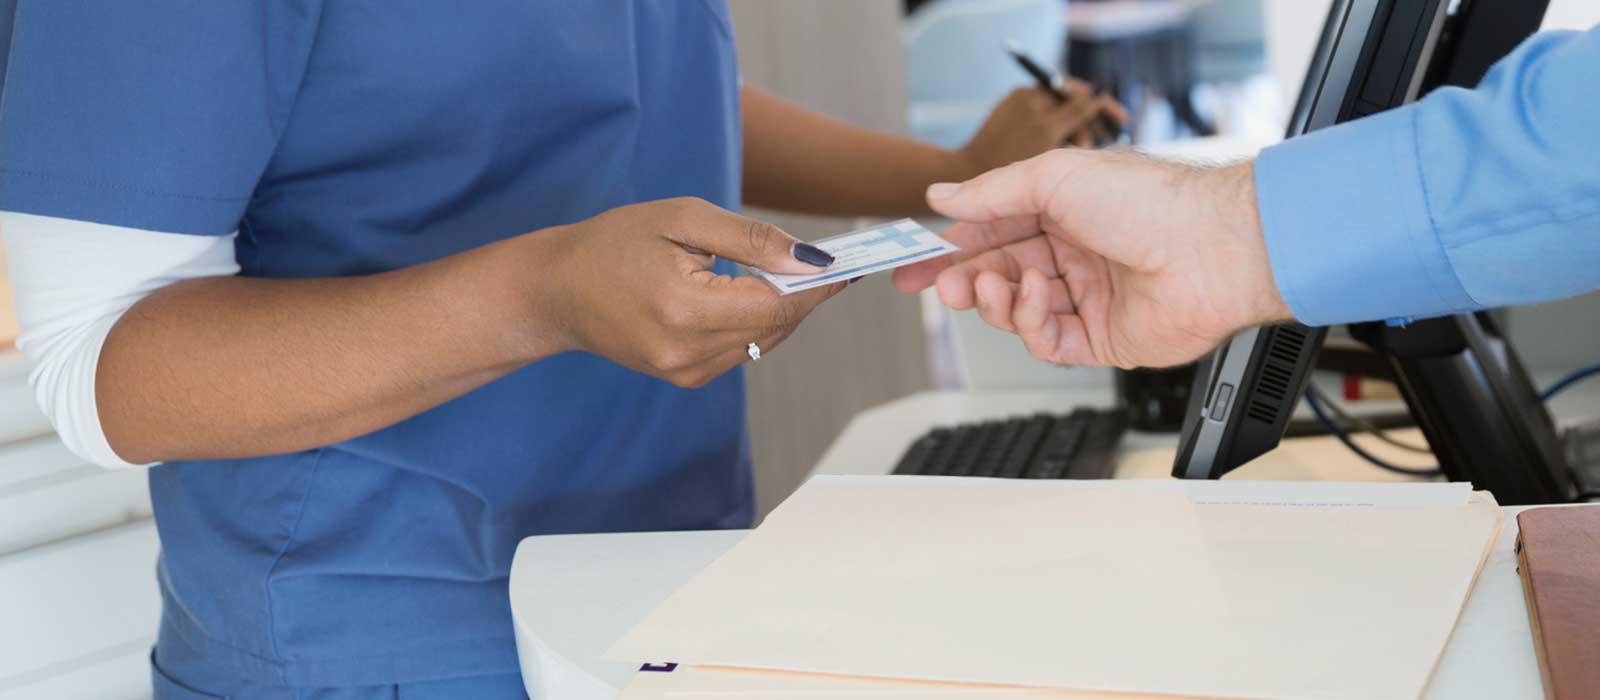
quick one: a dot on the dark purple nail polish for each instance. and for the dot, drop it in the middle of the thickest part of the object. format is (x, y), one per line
(853, 281)
(811, 255)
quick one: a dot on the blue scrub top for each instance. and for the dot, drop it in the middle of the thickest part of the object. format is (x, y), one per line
(354, 136)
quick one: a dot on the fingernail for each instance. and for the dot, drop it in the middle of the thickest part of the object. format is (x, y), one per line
(811, 255)
(853, 281)
(942, 190)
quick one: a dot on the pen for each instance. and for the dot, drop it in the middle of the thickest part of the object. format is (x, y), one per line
(1052, 84)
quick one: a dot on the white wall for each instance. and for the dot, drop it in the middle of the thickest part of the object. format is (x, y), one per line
(1292, 30)
(1572, 14)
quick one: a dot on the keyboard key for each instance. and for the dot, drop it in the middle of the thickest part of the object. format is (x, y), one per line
(1019, 454)
(1080, 445)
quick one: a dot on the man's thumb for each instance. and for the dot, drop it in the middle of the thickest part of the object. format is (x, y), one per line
(1019, 189)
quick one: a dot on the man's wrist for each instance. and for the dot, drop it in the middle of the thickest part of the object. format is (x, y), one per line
(1262, 302)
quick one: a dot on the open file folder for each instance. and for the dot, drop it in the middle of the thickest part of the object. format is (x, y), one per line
(1080, 587)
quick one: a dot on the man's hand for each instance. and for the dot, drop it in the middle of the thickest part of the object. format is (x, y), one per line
(1106, 258)
(1029, 121)
(635, 285)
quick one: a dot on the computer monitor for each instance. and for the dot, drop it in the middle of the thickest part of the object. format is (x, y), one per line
(1461, 379)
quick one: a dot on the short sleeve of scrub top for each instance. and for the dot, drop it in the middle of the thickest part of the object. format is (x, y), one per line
(115, 113)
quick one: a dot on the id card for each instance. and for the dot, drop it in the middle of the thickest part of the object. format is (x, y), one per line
(864, 252)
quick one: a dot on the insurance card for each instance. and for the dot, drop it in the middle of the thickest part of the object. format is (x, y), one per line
(859, 253)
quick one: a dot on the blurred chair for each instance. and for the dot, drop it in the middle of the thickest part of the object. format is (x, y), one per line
(956, 66)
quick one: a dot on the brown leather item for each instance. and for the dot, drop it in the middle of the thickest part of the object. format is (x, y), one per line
(1558, 555)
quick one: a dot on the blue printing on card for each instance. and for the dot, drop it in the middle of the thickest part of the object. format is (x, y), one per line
(858, 269)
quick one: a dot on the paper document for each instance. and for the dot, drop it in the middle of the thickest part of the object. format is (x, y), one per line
(1351, 494)
(1323, 493)
(1080, 587)
(679, 682)
(859, 253)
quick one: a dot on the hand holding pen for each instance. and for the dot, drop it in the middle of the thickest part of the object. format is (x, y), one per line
(1107, 129)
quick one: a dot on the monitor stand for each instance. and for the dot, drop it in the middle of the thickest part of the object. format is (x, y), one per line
(1482, 416)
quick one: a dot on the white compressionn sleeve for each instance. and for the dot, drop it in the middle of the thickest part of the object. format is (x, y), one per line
(71, 281)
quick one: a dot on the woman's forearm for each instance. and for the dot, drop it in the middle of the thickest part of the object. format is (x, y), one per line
(226, 367)
(799, 160)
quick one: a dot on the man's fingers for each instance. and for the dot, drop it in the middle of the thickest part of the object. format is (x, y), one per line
(955, 288)
(1019, 189)
(915, 278)
(1047, 334)
(965, 275)
(958, 286)
(955, 283)
(1067, 345)
(709, 229)
(1031, 315)
(974, 239)
(1038, 299)
(994, 299)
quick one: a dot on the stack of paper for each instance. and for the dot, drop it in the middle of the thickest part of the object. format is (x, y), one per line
(952, 587)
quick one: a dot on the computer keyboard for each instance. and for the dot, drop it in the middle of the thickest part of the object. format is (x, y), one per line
(1080, 445)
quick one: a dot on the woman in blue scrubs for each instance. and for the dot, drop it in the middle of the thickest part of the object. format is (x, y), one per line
(483, 294)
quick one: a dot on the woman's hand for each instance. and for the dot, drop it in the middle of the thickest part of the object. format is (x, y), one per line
(1029, 121)
(635, 285)
(1105, 257)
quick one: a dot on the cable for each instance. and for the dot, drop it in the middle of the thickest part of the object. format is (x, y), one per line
(1313, 399)
(1568, 381)
(1369, 427)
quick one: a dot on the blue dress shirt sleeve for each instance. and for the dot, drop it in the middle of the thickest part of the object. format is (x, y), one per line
(1468, 199)
(157, 114)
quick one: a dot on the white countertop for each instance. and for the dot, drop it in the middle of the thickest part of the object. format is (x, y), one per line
(572, 596)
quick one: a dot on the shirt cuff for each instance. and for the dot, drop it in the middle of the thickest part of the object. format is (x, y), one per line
(1347, 226)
